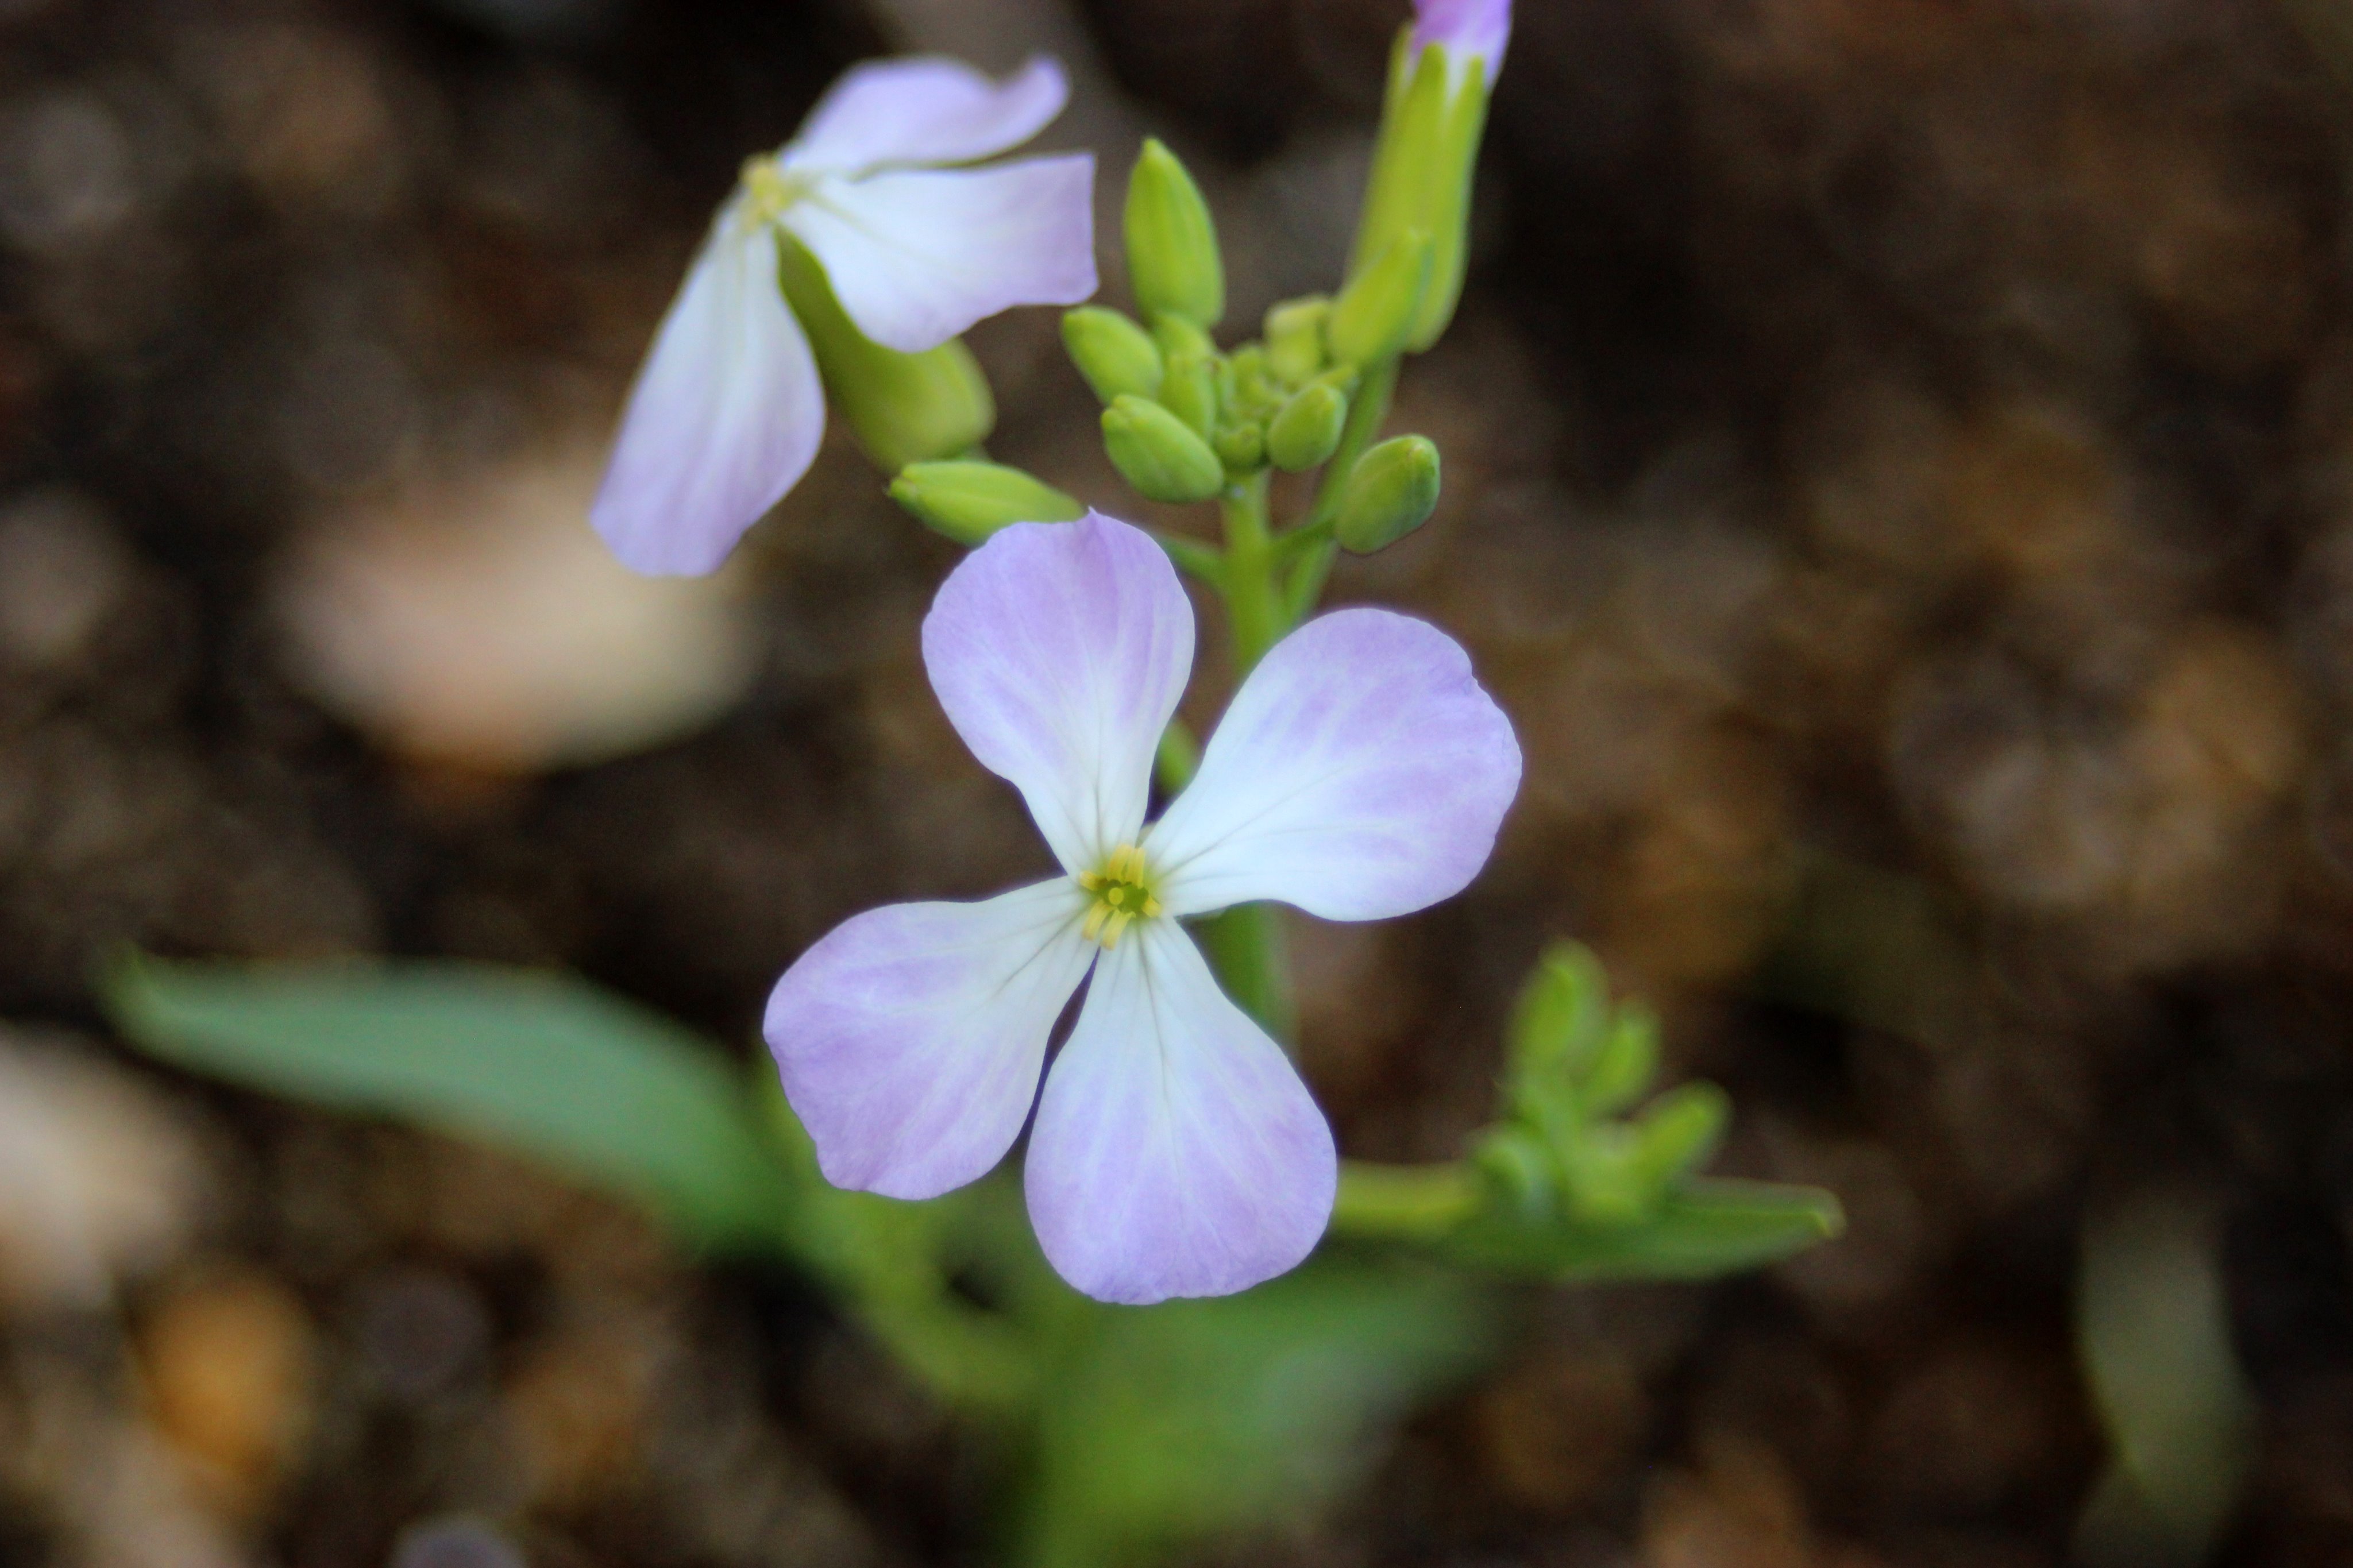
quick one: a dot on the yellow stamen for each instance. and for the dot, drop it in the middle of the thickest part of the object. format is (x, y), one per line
(1123, 895)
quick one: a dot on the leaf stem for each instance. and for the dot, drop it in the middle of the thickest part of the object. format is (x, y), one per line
(1412, 1203)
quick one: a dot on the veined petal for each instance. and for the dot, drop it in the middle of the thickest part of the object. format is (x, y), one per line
(910, 1038)
(1475, 29)
(1175, 1152)
(917, 255)
(726, 416)
(1059, 650)
(1360, 772)
(924, 109)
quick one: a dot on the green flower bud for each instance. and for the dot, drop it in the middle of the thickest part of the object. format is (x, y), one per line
(1307, 431)
(969, 501)
(1422, 167)
(1678, 1133)
(1159, 454)
(903, 408)
(1190, 391)
(1242, 446)
(1623, 1068)
(1392, 492)
(1375, 313)
(1113, 353)
(1294, 337)
(1520, 1172)
(1172, 243)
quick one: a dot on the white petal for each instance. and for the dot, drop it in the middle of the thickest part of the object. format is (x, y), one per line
(925, 109)
(1361, 773)
(1059, 650)
(1175, 1152)
(910, 1038)
(918, 255)
(725, 417)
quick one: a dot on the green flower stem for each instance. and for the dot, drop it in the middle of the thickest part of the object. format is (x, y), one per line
(1253, 607)
(1247, 948)
(1410, 1202)
(1202, 561)
(1366, 413)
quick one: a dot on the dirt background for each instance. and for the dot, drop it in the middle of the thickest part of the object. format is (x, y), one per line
(1900, 483)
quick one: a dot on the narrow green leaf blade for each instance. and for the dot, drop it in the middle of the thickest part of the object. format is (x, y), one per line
(541, 1063)
(1706, 1227)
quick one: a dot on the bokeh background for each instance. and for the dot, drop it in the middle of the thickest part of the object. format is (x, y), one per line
(1900, 483)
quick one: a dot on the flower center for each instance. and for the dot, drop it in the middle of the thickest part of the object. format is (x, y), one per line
(1123, 891)
(770, 188)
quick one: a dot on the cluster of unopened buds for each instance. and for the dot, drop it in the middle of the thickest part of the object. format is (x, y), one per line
(1359, 773)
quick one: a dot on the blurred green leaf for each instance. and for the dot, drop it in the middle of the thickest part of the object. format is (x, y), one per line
(1704, 1228)
(1166, 1424)
(542, 1063)
(2153, 1326)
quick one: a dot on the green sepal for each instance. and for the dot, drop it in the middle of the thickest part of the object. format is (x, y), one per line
(1392, 491)
(1376, 312)
(903, 408)
(1159, 454)
(1424, 162)
(1117, 357)
(1172, 261)
(969, 501)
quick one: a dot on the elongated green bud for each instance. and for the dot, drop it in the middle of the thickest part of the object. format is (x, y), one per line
(903, 408)
(1242, 446)
(1115, 355)
(1307, 430)
(969, 501)
(1392, 492)
(1678, 1132)
(1622, 1069)
(1190, 391)
(1375, 313)
(1172, 243)
(1422, 167)
(1159, 454)
(1295, 338)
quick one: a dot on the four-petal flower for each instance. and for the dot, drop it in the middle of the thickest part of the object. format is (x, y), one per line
(1360, 772)
(728, 411)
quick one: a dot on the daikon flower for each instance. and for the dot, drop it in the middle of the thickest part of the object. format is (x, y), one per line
(1360, 772)
(728, 411)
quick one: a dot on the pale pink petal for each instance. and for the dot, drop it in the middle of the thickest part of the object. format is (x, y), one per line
(725, 417)
(1472, 29)
(1175, 1152)
(910, 1038)
(925, 109)
(918, 255)
(1059, 650)
(1360, 772)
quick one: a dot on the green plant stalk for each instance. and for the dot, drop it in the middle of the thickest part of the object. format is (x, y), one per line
(1409, 1203)
(1254, 609)
(1368, 411)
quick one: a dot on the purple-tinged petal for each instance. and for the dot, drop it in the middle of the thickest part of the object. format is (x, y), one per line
(1059, 650)
(918, 255)
(910, 1038)
(1175, 1152)
(726, 416)
(1360, 772)
(925, 109)
(1470, 28)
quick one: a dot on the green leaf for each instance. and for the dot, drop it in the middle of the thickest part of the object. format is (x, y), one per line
(1167, 1424)
(541, 1063)
(1706, 1227)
